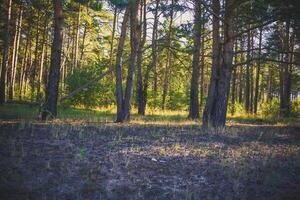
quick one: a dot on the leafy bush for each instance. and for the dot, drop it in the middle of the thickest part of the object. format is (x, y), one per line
(271, 109)
(99, 94)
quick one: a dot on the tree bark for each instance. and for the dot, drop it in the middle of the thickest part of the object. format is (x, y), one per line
(169, 59)
(41, 67)
(285, 93)
(50, 106)
(140, 84)
(234, 77)
(194, 90)
(113, 37)
(154, 48)
(247, 88)
(217, 100)
(77, 37)
(15, 54)
(119, 87)
(5, 53)
(258, 72)
(36, 59)
(134, 44)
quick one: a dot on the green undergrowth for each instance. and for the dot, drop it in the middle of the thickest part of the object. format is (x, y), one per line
(30, 112)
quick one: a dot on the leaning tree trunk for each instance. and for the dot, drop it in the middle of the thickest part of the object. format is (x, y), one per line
(5, 53)
(119, 88)
(194, 91)
(217, 101)
(50, 106)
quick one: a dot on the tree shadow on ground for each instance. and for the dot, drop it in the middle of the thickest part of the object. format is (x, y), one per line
(114, 161)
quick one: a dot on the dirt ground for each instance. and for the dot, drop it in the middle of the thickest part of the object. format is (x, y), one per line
(110, 161)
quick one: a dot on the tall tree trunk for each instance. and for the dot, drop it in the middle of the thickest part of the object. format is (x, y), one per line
(217, 100)
(247, 89)
(152, 65)
(119, 77)
(36, 58)
(202, 64)
(113, 37)
(169, 59)
(50, 106)
(285, 93)
(194, 90)
(212, 93)
(15, 54)
(5, 53)
(83, 43)
(140, 85)
(258, 72)
(41, 67)
(75, 62)
(234, 77)
(24, 65)
(134, 44)
(241, 82)
(269, 85)
(10, 70)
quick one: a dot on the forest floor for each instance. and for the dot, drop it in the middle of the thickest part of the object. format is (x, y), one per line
(151, 158)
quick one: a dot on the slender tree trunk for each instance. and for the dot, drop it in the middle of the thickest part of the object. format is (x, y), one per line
(10, 70)
(16, 54)
(50, 106)
(36, 58)
(28, 68)
(169, 59)
(202, 65)
(194, 90)
(234, 77)
(258, 72)
(247, 89)
(83, 43)
(140, 85)
(40, 76)
(241, 73)
(134, 44)
(153, 63)
(77, 37)
(24, 65)
(252, 75)
(119, 77)
(269, 85)
(113, 37)
(5, 53)
(154, 48)
(285, 93)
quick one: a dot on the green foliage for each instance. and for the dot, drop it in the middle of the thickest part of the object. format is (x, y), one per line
(99, 94)
(272, 109)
